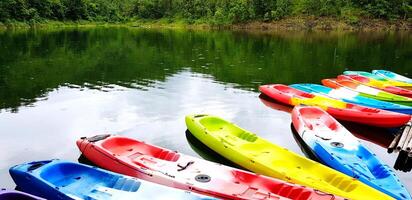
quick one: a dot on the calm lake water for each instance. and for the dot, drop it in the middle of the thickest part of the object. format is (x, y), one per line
(56, 86)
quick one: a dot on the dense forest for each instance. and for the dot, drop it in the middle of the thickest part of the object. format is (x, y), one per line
(209, 11)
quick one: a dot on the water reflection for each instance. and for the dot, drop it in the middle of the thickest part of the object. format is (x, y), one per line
(33, 63)
(205, 152)
(379, 136)
(56, 86)
(271, 103)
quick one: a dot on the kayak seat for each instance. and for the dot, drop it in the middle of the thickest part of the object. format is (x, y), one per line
(121, 146)
(76, 179)
(220, 127)
(318, 118)
(213, 124)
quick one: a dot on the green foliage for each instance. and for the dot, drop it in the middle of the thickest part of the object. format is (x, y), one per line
(240, 11)
(214, 11)
(152, 9)
(387, 9)
(283, 8)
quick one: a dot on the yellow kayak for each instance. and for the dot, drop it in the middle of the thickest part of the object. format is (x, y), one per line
(260, 156)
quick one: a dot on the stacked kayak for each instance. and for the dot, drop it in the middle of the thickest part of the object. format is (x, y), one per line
(16, 195)
(380, 78)
(338, 148)
(392, 76)
(351, 96)
(55, 179)
(339, 109)
(259, 155)
(367, 91)
(377, 84)
(135, 158)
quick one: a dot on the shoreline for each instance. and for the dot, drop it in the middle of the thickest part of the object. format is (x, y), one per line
(307, 23)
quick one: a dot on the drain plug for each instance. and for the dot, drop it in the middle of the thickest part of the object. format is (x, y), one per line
(203, 178)
(336, 144)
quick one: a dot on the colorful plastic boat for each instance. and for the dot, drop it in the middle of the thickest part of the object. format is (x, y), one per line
(351, 96)
(367, 91)
(55, 179)
(338, 148)
(16, 195)
(392, 76)
(377, 84)
(145, 161)
(380, 78)
(337, 108)
(259, 155)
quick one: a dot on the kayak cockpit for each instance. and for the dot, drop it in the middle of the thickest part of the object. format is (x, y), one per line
(122, 146)
(219, 128)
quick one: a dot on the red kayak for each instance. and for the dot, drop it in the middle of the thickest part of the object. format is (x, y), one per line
(148, 162)
(376, 84)
(338, 109)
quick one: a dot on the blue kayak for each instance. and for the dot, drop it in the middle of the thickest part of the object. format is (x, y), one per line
(351, 96)
(55, 179)
(392, 75)
(338, 148)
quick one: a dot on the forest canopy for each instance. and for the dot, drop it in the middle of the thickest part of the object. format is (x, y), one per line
(212, 11)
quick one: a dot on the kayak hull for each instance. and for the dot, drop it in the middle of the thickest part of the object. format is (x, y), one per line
(129, 156)
(16, 195)
(338, 109)
(338, 148)
(258, 155)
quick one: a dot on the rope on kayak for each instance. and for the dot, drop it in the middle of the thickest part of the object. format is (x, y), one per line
(184, 167)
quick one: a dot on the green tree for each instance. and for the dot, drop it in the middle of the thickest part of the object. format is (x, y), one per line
(76, 9)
